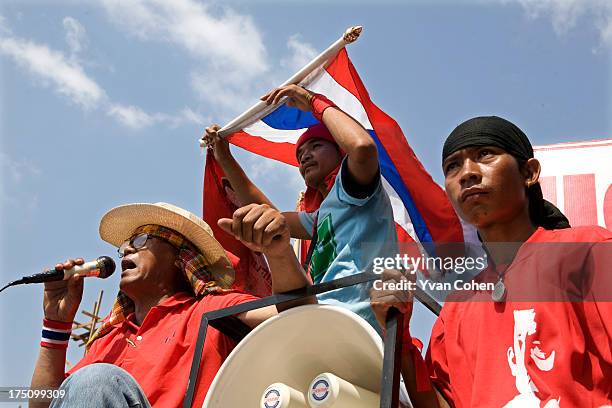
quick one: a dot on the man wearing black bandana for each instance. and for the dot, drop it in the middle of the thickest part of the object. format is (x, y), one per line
(498, 349)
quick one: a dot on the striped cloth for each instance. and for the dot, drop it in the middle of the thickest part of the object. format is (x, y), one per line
(421, 209)
(55, 334)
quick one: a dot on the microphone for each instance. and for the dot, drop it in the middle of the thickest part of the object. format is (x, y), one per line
(102, 267)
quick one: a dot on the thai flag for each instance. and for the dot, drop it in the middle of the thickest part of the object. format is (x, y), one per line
(421, 208)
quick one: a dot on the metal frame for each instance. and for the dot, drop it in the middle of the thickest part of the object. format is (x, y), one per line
(225, 320)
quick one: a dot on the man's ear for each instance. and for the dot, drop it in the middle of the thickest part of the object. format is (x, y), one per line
(531, 171)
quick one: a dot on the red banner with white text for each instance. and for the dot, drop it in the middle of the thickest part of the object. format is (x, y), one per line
(577, 178)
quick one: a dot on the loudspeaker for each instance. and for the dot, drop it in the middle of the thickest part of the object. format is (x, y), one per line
(293, 348)
(330, 391)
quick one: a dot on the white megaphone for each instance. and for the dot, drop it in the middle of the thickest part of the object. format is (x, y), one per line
(274, 365)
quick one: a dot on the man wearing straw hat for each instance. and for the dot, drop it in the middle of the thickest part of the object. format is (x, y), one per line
(173, 271)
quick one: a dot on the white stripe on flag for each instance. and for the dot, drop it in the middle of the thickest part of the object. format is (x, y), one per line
(262, 130)
(326, 85)
(400, 215)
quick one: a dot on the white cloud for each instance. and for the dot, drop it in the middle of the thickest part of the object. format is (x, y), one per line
(226, 92)
(301, 53)
(53, 68)
(222, 39)
(16, 176)
(232, 69)
(227, 46)
(67, 77)
(17, 170)
(188, 115)
(566, 13)
(270, 172)
(234, 92)
(76, 36)
(131, 116)
(136, 118)
(4, 28)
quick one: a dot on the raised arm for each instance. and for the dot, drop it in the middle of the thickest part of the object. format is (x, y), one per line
(352, 138)
(60, 303)
(246, 191)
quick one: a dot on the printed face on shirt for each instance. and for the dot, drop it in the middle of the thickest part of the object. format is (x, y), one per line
(150, 269)
(317, 158)
(485, 185)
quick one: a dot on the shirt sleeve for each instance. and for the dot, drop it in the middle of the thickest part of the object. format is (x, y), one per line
(352, 193)
(437, 362)
(352, 187)
(307, 220)
(220, 301)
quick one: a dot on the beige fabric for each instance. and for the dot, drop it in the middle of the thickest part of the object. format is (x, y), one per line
(118, 225)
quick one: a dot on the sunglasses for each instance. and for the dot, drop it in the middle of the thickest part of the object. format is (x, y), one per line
(137, 242)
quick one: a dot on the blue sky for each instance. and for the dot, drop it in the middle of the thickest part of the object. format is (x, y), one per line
(102, 103)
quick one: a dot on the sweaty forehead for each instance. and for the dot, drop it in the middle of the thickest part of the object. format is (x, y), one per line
(489, 131)
(464, 150)
(308, 144)
(473, 150)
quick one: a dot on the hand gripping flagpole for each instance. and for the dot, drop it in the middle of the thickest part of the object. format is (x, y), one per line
(261, 109)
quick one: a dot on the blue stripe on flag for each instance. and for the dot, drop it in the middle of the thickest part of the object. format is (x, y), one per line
(390, 173)
(286, 118)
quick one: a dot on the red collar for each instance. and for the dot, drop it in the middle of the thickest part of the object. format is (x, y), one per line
(313, 198)
(170, 302)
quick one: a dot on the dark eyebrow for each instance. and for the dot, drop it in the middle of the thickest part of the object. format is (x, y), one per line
(450, 157)
(301, 149)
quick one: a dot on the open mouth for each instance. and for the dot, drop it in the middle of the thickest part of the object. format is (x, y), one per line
(127, 264)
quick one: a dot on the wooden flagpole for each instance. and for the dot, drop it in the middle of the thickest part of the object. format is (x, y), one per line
(261, 109)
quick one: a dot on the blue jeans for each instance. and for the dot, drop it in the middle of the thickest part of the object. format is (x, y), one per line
(101, 385)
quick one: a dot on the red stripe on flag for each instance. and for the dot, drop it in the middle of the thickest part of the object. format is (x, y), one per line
(402, 235)
(252, 275)
(343, 76)
(283, 152)
(431, 201)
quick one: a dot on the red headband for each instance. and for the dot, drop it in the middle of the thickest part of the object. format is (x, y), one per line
(318, 131)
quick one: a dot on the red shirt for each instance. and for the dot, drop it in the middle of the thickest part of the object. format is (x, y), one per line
(532, 353)
(158, 354)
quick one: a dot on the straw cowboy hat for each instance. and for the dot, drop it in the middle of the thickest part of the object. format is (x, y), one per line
(118, 224)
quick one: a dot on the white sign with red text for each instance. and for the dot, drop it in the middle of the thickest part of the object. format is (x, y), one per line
(577, 178)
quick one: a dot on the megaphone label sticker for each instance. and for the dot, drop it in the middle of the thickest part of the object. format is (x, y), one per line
(272, 399)
(320, 390)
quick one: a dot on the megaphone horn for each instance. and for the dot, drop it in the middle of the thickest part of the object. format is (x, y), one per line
(293, 348)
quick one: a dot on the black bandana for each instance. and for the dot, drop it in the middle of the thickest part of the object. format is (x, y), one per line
(489, 131)
(498, 132)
